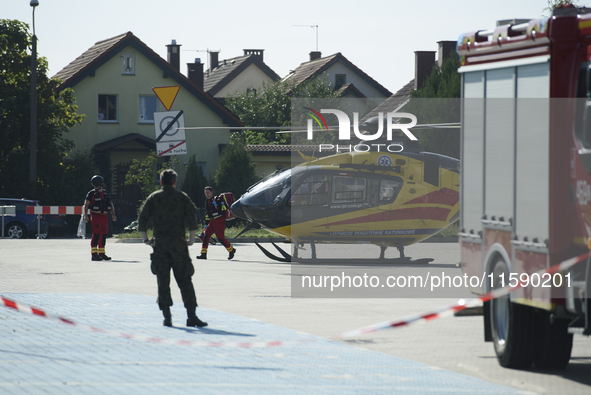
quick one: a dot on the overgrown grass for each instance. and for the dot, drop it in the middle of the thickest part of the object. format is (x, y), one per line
(258, 233)
(450, 231)
(231, 232)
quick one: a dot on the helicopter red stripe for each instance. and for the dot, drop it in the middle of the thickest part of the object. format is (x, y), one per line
(449, 197)
(423, 213)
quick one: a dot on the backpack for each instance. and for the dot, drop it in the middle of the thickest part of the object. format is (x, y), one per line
(228, 198)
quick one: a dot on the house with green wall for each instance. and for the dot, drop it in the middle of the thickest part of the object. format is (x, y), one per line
(113, 84)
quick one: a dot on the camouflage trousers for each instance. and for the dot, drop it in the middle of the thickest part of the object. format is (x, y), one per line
(173, 253)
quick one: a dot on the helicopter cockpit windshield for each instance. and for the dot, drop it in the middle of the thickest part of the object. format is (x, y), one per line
(270, 192)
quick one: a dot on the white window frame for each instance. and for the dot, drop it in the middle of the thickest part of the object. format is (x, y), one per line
(142, 118)
(127, 64)
(106, 119)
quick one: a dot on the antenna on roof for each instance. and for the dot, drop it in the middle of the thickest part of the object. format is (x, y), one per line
(204, 50)
(312, 26)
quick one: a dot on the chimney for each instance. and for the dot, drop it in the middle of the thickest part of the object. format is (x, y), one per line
(255, 52)
(195, 72)
(315, 55)
(445, 49)
(213, 60)
(174, 55)
(424, 62)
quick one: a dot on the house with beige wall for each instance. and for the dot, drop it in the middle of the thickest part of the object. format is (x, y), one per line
(238, 74)
(342, 75)
(113, 84)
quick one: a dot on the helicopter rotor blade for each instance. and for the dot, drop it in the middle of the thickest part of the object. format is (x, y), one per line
(453, 125)
(241, 128)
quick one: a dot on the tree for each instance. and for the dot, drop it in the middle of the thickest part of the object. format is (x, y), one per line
(271, 106)
(443, 84)
(195, 182)
(55, 114)
(553, 4)
(236, 172)
(141, 173)
(74, 182)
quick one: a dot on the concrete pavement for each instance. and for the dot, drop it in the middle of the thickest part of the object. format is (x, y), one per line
(47, 357)
(247, 299)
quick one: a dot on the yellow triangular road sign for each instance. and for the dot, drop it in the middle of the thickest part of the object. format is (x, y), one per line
(167, 94)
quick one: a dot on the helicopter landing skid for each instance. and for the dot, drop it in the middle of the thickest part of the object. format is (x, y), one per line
(286, 256)
(420, 261)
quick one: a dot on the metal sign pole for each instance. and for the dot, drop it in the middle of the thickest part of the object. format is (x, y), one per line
(6, 211)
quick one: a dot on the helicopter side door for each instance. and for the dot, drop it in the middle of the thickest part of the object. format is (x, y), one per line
(349, 201)
(309, 205)
(383, 194)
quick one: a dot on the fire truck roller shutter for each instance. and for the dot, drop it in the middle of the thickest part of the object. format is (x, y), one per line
(532, 164)
(472, 205)
(499, 143)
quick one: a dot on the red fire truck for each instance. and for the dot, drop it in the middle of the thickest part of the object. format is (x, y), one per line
(526, 181)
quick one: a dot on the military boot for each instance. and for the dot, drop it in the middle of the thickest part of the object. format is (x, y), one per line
(192, 319)
(167, 316)
(202, 256)
(195, 321)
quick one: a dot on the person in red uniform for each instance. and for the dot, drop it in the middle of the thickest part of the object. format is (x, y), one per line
(216, 212)
(99, 202)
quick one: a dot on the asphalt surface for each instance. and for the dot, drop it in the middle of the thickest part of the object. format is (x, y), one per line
(247, 300)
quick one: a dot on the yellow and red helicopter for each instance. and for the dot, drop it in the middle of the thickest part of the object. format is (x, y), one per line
(389, 199)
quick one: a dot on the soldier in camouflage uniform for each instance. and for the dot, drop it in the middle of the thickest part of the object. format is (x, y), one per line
(168, 209)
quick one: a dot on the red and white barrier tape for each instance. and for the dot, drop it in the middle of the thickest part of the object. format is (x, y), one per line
(55, 210)
(445, 311)
(178, 342)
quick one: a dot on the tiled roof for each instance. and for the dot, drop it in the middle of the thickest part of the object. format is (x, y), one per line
(281, 148)
(93, 53)
(225, 67)
(393, 102)
(309, 70)
(228, 69)
(101, 52)
(350, 89)
(288, 150)
(109, 144)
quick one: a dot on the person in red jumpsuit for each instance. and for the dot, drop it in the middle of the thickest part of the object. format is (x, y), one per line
(99, 202)
(216, 212)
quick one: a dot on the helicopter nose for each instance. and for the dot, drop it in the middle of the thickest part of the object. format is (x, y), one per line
(238, 210)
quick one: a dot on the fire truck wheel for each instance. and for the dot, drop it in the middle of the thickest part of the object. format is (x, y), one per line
(512, 325)
(553, 344)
